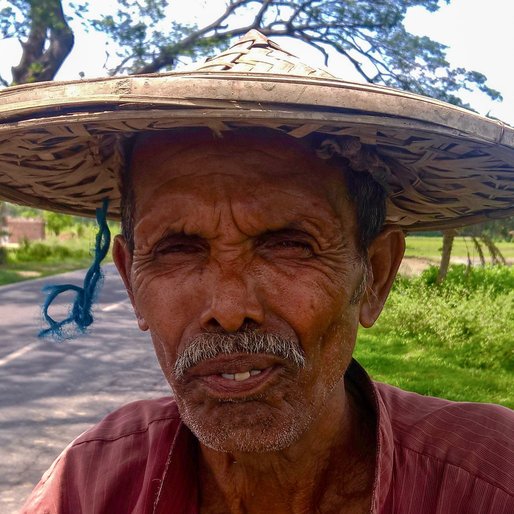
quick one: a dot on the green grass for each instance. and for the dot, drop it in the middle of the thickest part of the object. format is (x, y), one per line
(54, 255)
(430, 248)
(455, 341)
(18, 272)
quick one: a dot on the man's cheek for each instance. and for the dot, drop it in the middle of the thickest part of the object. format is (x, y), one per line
(163, 296)
(164, 357)
(308, 305)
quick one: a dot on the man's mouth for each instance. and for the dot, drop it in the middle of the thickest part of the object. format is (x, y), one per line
(240, 377)
(236, 376)
(241, 384)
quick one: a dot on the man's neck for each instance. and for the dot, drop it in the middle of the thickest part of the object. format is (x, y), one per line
(330, 469)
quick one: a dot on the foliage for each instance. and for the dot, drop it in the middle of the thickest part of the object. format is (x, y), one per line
(487, 280)
(454, 341)
(44, 33)
(497, 230)
(462, 317)
(21, 210)
(41, 252)
(148, 37)
(57, 222)
(54, 255)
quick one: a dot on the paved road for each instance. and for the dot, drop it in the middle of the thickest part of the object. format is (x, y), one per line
(49, 392)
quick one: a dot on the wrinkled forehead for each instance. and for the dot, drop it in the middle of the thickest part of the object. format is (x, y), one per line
(247, 156)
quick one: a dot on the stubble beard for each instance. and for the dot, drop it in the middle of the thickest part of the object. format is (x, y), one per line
(268, 434)
(257, 424)
(251, 424)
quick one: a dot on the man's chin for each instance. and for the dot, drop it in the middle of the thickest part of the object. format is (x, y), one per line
(236, 428)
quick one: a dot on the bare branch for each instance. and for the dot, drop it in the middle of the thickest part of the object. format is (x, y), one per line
(300, 9)
(262, 11)
(121, 65)
(313, 42)
(356, 64)
(168, 56)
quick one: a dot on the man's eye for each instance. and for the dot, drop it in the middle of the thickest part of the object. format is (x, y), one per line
(290, 247)
(179, 247)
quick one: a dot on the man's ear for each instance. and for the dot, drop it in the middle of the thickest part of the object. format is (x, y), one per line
(385, 255)
(122, 257)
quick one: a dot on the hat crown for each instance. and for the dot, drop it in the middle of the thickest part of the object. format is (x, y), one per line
(255, 53)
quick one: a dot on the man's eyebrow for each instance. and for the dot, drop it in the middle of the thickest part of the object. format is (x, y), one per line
(171, 234)
(293, 229)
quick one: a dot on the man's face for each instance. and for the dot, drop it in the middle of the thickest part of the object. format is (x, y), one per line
(245, 233)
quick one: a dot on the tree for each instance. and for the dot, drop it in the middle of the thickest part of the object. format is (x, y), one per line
(483, 236)
(44, 34)
(448, 238)
(370, 34)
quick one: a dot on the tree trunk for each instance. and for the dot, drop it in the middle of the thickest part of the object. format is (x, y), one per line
(49, 41)
(496, 255)
(448, 237)
(478, 248)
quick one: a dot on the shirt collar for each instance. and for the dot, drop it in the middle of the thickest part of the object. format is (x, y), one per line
(179, 485)
(384, 435)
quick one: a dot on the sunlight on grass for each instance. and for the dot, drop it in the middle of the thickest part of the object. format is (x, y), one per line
(50, 257)
(455, 341)
(18, 272)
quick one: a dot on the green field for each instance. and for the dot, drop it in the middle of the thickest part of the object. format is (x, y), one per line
(425, 247)
(455, 341)
(17, 272)
(55, 255)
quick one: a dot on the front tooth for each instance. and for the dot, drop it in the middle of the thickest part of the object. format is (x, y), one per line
(242, 376)
(254, 372)
(229, 376)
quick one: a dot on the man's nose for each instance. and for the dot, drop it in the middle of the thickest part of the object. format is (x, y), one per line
(233, 303)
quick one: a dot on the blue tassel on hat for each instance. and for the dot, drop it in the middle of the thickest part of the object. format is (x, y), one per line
(80, 315)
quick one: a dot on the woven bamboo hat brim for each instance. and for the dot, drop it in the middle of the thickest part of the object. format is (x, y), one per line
(60, 142)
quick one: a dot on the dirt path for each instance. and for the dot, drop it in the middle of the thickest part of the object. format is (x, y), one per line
(412, 266)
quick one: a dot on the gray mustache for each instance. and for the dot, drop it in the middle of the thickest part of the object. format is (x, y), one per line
(210, 345)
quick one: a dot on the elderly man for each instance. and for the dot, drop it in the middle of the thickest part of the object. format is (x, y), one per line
(257, 236)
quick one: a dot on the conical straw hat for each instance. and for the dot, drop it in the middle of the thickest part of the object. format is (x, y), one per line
(60, 142)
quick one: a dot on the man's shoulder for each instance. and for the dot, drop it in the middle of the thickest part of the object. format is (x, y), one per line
(476, 438)
(429, 403)
(138, 417)
(119, 462)
(408, 410)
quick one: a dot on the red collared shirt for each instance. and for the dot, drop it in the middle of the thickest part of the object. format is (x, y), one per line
(433, 456)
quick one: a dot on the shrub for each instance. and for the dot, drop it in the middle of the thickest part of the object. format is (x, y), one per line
(469, 320)
(493, 279)
(41, 252)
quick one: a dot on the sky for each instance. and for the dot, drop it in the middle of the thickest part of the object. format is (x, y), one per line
(479, 35)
